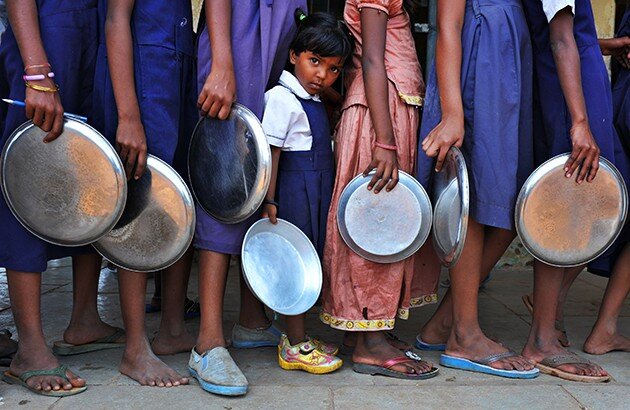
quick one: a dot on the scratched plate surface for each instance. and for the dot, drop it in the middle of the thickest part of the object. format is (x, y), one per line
(230, 165)
(388, 226)
(563, 223)
(157, 225)
(70, 191)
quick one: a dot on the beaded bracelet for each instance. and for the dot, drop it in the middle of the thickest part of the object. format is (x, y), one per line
(41, 88)
(45, 65)
(38, 77)
(271, 202)
(386, 146)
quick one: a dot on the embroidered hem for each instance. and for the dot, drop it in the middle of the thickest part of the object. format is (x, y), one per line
(412, 99)
(403, 313)
(356, 325)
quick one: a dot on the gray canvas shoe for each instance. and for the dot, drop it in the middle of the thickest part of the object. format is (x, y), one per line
(244, 338)
(217, 373)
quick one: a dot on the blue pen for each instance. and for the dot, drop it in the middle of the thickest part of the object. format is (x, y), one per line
(65, 114)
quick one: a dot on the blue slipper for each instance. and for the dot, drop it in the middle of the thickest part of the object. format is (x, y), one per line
(217, 373)
(483, 366)
(422, 345)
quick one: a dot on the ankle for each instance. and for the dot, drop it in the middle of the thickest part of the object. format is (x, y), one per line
(202, 347)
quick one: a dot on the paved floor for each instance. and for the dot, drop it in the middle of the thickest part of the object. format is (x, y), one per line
(502, 314)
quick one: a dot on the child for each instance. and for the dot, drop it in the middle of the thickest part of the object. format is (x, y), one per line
(296, 125)
(576, 108)
(146, 100)
(479, 99)
(261, 32)
(377, 129)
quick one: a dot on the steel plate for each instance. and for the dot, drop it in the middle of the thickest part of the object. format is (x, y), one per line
(566, 224)
(450, 213)
(386, 227)
(281, 267)
(158, 223)
(230, 165)
(68, 192)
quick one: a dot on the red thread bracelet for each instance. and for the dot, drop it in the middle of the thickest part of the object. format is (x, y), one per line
(386, 146)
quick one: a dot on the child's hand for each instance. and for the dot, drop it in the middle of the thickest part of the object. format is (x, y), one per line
(585, 154)
(270, 211)
(46, 111)
(386, 165)
(218, 93)
(447, 133)
(131, 144)
(619, 48)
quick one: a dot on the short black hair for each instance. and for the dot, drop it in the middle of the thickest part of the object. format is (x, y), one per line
(322, 34)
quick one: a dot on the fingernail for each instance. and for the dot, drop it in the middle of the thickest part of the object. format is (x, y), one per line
(567, 175)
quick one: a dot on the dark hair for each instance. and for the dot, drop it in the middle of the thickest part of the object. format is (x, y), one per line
(322, 34)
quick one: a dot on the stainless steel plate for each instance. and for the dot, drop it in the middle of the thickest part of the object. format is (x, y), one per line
(450, 213)
(281, 266)
(565, 224)
(230, 165)
(68, 192)
(158, 223)
(386, 227)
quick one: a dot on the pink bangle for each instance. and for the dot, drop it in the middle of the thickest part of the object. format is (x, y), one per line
(38, 77)
(386, 146)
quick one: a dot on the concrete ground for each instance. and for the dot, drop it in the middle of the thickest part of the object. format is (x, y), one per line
(502, 315)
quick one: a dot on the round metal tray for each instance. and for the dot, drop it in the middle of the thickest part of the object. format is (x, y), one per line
(281, 266)
(68, 192)
(158, 224)
(566, 224)
(386, 227)
(450, 212)
(230, 165)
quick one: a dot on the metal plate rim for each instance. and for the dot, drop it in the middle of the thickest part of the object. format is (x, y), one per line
(425, 228)
(112, 155)
(521, 202)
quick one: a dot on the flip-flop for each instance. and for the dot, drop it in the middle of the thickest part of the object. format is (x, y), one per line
(60, 371)
(62, 348)
(549, 365)
(385, 369)
(422, 345)
(483, 366)
(558, 324)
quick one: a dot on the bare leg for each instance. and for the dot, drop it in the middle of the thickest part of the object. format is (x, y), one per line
(252, 314)
(33, 353)
(138, 361)
(373, 348)
(295, 329)
(438, 328)
(543, 339)
(213, 269)
(172, 337)
(85, 323)
(467, 340)
(156, 299)
(605, 336)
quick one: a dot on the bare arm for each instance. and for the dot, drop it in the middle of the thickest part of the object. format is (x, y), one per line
(130, 138)
(448, 62)
(585, 152)
(373, 29)
(44, 108)
(269, 210)
(219, 91)
(618, 47)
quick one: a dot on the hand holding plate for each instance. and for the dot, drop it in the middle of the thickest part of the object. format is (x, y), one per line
(585, 154)
(447, 133)
(131, 145)
(218, 93)
(270, 211)
(46, 111)
(386, 174)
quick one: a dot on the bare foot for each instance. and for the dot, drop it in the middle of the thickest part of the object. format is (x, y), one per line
(604, 342)
(42, 359)
(435, 333)
(539, 352)
(350, 341)
(82, 333)
(561, 332)
(145, 368)
(374, 348)
(477, 346)
(166, 344)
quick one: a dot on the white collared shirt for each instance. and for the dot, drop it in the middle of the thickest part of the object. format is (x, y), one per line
(552, 7)
(284, 120)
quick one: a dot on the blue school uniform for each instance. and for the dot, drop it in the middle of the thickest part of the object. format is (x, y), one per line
(163, 53)
(69, 34)
(621, 92)
(306, 178)
(496, 89)
(261, 33)
(554, 121)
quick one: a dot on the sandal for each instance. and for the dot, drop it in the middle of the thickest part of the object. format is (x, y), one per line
(549, 365)
(483, 365)
(59, 371)
(61, 348)
(385, 369)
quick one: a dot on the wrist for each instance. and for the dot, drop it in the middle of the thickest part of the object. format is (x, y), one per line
(130, 115)
(579, 121)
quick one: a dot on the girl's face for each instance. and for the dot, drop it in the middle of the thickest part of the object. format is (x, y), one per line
(315, 73)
